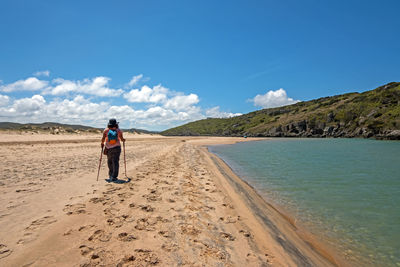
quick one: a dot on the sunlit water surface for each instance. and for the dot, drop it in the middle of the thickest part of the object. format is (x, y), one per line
(347, 191)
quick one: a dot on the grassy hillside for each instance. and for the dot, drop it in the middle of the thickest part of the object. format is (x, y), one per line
(374, 113)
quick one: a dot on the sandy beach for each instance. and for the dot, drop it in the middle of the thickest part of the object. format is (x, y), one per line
(178, 206)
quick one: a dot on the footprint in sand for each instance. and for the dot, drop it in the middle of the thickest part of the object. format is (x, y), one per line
(191, 208)
(177, 193)
(246, 233)
(46, 220)
(124, 195)
(145, 224)
(227, 205)
(125, 237)
(169, 247)
(189, 229)
(72, 198)
(152, 197)
(85, 250)
(98, 257)
(227, 236)
(229, 219)
(112, 190)
(27, 190)
(27, 237)
(127, 218)
(146, 208)
(110, 211)
(209, 250)
(72, 209)
(68, 232)
(144, 257)
(126, 261)
(179, 217)
(166, 233)
(4, 215)
(4, 251)
(207, 208)
(96, 200)
(116, 222)
(149, 223)
(101, 236)
(86, 227)
(142, 224)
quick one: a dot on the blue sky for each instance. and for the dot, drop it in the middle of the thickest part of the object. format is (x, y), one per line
(191, 59)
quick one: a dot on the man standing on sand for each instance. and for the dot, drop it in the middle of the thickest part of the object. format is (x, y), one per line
(112, 136)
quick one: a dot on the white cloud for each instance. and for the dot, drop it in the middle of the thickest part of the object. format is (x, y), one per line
(30, 84)
(273, 99)
(161, 95)
(77, 109)
(162, 109)
(28, 105)
(139, 96)
(63, 87)
(45, 73)
(80, 110)
(182, 102)
(37, 109)
(135, 80)
(154, 117)
(97, 86)
(215, 112)
(146, 94)
(4, 99)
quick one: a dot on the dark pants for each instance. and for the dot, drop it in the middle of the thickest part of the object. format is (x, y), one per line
(113, 161)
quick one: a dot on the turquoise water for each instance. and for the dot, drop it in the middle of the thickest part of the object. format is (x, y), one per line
(345, 190)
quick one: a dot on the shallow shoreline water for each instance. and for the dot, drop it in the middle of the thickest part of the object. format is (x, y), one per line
(320, 227)
(263, 204)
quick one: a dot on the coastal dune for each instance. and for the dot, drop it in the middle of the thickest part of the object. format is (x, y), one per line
(178, 205)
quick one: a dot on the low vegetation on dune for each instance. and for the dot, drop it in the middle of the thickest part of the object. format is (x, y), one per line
(58, 128)
(374, 113)
(47, 127)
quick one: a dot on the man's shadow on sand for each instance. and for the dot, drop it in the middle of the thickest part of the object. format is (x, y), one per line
(118, 181)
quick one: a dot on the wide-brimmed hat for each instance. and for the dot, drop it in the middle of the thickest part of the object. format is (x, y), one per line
(112, 123)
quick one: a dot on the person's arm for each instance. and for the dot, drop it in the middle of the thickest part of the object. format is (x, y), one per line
(121, 137)
(103, 139)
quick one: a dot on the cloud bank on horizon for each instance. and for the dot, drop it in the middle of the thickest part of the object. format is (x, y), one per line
(92, 101)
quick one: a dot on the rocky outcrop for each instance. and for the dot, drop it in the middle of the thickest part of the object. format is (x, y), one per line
(307, 129)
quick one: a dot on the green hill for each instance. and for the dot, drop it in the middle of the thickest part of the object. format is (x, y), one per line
(374, 113)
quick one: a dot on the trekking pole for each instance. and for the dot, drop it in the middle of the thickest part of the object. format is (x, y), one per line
(98, 172)
(125, 159)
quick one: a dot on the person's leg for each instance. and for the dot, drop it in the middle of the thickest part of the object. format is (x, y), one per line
(110, 163)
(116, 155)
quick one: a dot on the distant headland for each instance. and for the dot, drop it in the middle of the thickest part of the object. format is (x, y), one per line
(372, 114)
